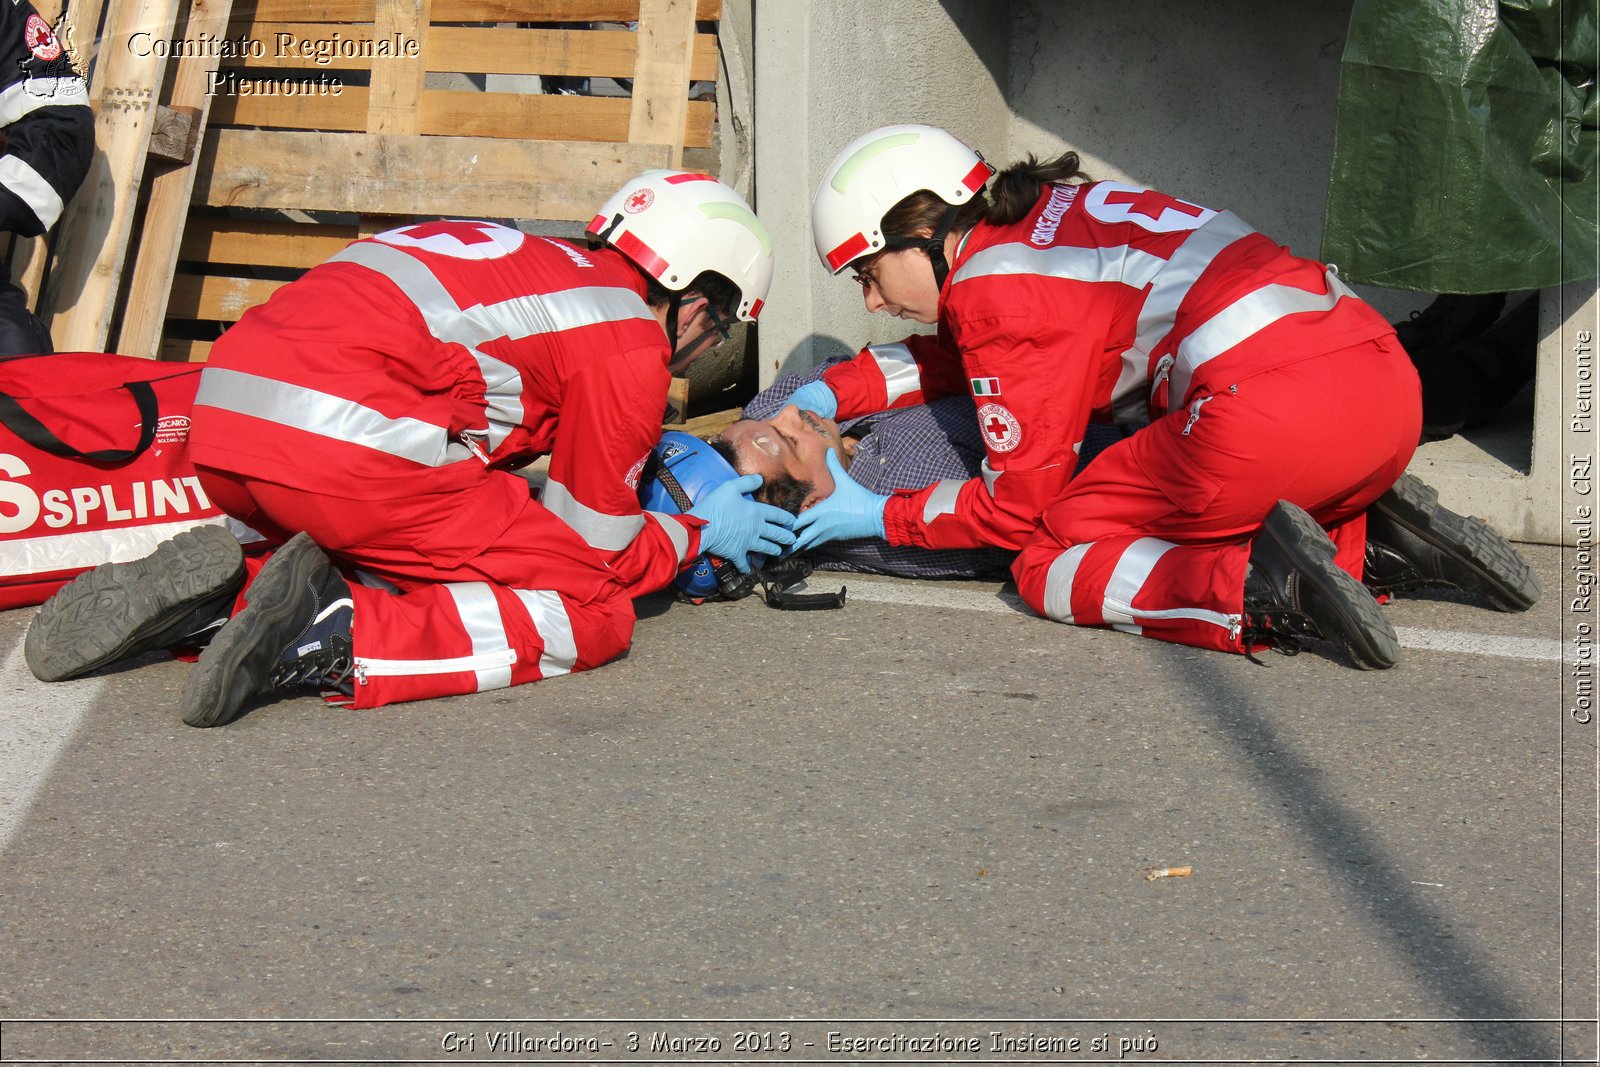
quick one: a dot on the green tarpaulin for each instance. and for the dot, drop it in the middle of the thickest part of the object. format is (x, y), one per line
(1464, 156)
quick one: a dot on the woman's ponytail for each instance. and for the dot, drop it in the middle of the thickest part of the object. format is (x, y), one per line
(1011, 195)
(1015, 190)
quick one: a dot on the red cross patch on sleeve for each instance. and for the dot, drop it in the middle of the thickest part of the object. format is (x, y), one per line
(1001, 430)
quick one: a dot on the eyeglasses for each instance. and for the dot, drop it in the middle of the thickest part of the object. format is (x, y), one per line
(864, 275)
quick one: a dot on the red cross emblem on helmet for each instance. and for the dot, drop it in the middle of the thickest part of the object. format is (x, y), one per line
(639, 201)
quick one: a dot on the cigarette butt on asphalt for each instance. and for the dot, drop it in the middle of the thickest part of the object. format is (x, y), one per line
(1167, 872)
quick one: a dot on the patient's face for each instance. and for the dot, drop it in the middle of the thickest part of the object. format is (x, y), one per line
(793, 443)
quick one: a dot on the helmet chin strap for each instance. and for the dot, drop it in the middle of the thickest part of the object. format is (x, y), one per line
(682, 353)
(933, 245)
(678, 360)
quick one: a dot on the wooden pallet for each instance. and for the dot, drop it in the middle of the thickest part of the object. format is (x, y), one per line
(436, 113)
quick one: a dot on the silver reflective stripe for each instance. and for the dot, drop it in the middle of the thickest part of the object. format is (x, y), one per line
(480, 615)
(550, 618)
(1058, 583)
(1160, 308)
(990, 475)
(446, 321)
(1241, 320)
(1128, 577)
(899, 369)
(30, 94)
(32, 189)
(608, 533)
(942, 501)
(1113, 263)
(514, 319)
(570, 309)
(326, 415)
(675, 532)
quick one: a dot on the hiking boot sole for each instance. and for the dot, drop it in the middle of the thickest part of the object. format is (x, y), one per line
(118, 610)
(1485, 562)
(239, 661)
(1360, 626)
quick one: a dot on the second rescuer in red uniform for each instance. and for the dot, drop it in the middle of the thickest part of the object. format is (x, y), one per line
(1279, 404)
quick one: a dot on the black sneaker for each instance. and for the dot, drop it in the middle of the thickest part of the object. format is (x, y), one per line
(1414, 542)
(176, 595)
(293, 631)
(1294, 590)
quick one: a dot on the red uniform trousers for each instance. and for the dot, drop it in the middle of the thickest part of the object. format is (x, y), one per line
(1154, 536)
(533, 602)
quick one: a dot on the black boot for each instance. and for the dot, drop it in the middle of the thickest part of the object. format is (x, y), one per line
(294, 631)
(175, 596)
(1414, 542)
(1447, 321)
(1293, 590)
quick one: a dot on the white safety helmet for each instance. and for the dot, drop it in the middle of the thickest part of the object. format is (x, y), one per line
(675, 224)
(875, 172)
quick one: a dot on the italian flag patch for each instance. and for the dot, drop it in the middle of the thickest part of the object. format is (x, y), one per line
(985, 386)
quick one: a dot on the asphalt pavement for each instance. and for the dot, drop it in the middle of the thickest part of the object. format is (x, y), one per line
(927, 828)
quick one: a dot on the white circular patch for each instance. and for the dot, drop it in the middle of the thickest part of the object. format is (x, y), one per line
(632, 477)
(41, 39)
(1001, 430)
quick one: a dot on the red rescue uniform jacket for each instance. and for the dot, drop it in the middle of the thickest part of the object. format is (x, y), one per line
(414, 361)
(1106, 302)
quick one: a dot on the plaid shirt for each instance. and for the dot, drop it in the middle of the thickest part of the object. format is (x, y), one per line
(909, 448)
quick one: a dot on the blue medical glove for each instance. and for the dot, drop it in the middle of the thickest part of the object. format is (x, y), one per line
(816, 396)
(736, 526)
(852, 510)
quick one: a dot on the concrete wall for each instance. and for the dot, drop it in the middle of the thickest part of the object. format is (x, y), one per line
(1228, 103)
(827, 70)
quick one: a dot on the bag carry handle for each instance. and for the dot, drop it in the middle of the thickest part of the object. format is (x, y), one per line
(35, 433)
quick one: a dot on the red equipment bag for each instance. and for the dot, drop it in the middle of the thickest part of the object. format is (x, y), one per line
(94, 466)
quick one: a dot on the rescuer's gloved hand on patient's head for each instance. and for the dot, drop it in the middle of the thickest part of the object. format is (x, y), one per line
(737, 526)
(817, 397)
(851, 511)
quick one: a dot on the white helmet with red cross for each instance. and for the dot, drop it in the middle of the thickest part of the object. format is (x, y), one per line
(675, 224)
(875, 172)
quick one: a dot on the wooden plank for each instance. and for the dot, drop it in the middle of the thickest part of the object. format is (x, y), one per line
(79, 31)
(214, 296)
(704, 426)
(467, 114)
(185, 350)
(678, 398)
(174, 134)
(396, 82)
(472, 10)
(264, 244)
(344, 112)
(170, 191)
(603, 54)
(661, 75)
(405, 175)
(549, 118)
(92, 242)
(465, 49)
